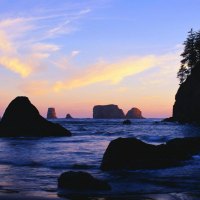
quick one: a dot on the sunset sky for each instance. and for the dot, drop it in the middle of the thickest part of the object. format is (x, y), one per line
(74, 54)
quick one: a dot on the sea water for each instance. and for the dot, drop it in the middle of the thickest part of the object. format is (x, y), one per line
(32, 165)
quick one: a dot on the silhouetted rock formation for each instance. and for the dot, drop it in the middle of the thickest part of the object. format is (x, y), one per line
(21, 118)
(51, 113)
(107, 112)
(134, 113)
(169, 119)
(187, 104)
(68, 116)
(81, 181)
(127, 122)
(131, 153)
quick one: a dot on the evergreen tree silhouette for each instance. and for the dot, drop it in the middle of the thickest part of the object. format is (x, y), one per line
(189, 57)
(197, 45)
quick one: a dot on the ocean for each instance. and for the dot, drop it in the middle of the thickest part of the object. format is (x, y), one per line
(32, 165)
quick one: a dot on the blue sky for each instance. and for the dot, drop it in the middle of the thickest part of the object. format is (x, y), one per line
(73, 55)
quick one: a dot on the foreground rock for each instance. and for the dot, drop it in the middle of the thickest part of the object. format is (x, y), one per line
(51, 113)
(187, 105)
(107, 112)
(131, 153)
(68, 116)
(21, 118)
(134, 113)
(81, 181)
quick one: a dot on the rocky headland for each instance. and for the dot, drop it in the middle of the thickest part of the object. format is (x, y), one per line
(186, 107)
(21, 118)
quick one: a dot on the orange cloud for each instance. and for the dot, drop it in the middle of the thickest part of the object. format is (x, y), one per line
(15, 65)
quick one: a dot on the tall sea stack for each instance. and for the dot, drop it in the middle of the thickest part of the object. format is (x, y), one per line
(51, 113)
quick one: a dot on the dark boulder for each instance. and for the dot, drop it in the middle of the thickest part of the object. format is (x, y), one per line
(81, 181)
(107, 112)
(51, 113)
(21, 118)
(68, 116)
(126, 122)
(186, 108)
(169, 119)
(131, 153)
(134, 113)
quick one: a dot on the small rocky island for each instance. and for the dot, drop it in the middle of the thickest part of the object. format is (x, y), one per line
(68, 116)
(21, 118)
(51, 113)
(108, 112)
(112, 111)
(134, 113)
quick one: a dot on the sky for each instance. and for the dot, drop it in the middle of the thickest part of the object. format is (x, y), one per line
(73, 55)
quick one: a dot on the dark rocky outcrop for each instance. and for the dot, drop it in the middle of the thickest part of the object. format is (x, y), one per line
(107, 112)
(187, 105)
(134, 113)
(21, 118)
(81, 181)
(51, 113)
(169, 119)
(68, 116)
(131, 153)
(126, 122)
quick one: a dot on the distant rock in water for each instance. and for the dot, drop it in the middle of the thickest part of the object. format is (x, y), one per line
(51, 113)
(21, 118)
(187, 105)
(134, 113)
(81, 181)
(107, 112)
(126, 122)
(133, 154)
(68, 116)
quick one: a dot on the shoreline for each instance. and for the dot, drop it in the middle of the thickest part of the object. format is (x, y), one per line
(164, 196)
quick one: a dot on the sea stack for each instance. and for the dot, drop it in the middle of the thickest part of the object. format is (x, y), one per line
(186, 108)
(21, 118)
(108, 112)
(51, 113)
(134, 113)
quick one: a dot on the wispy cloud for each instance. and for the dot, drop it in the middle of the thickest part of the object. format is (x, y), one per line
(113, 73)
(23, 46)
(64, 62)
